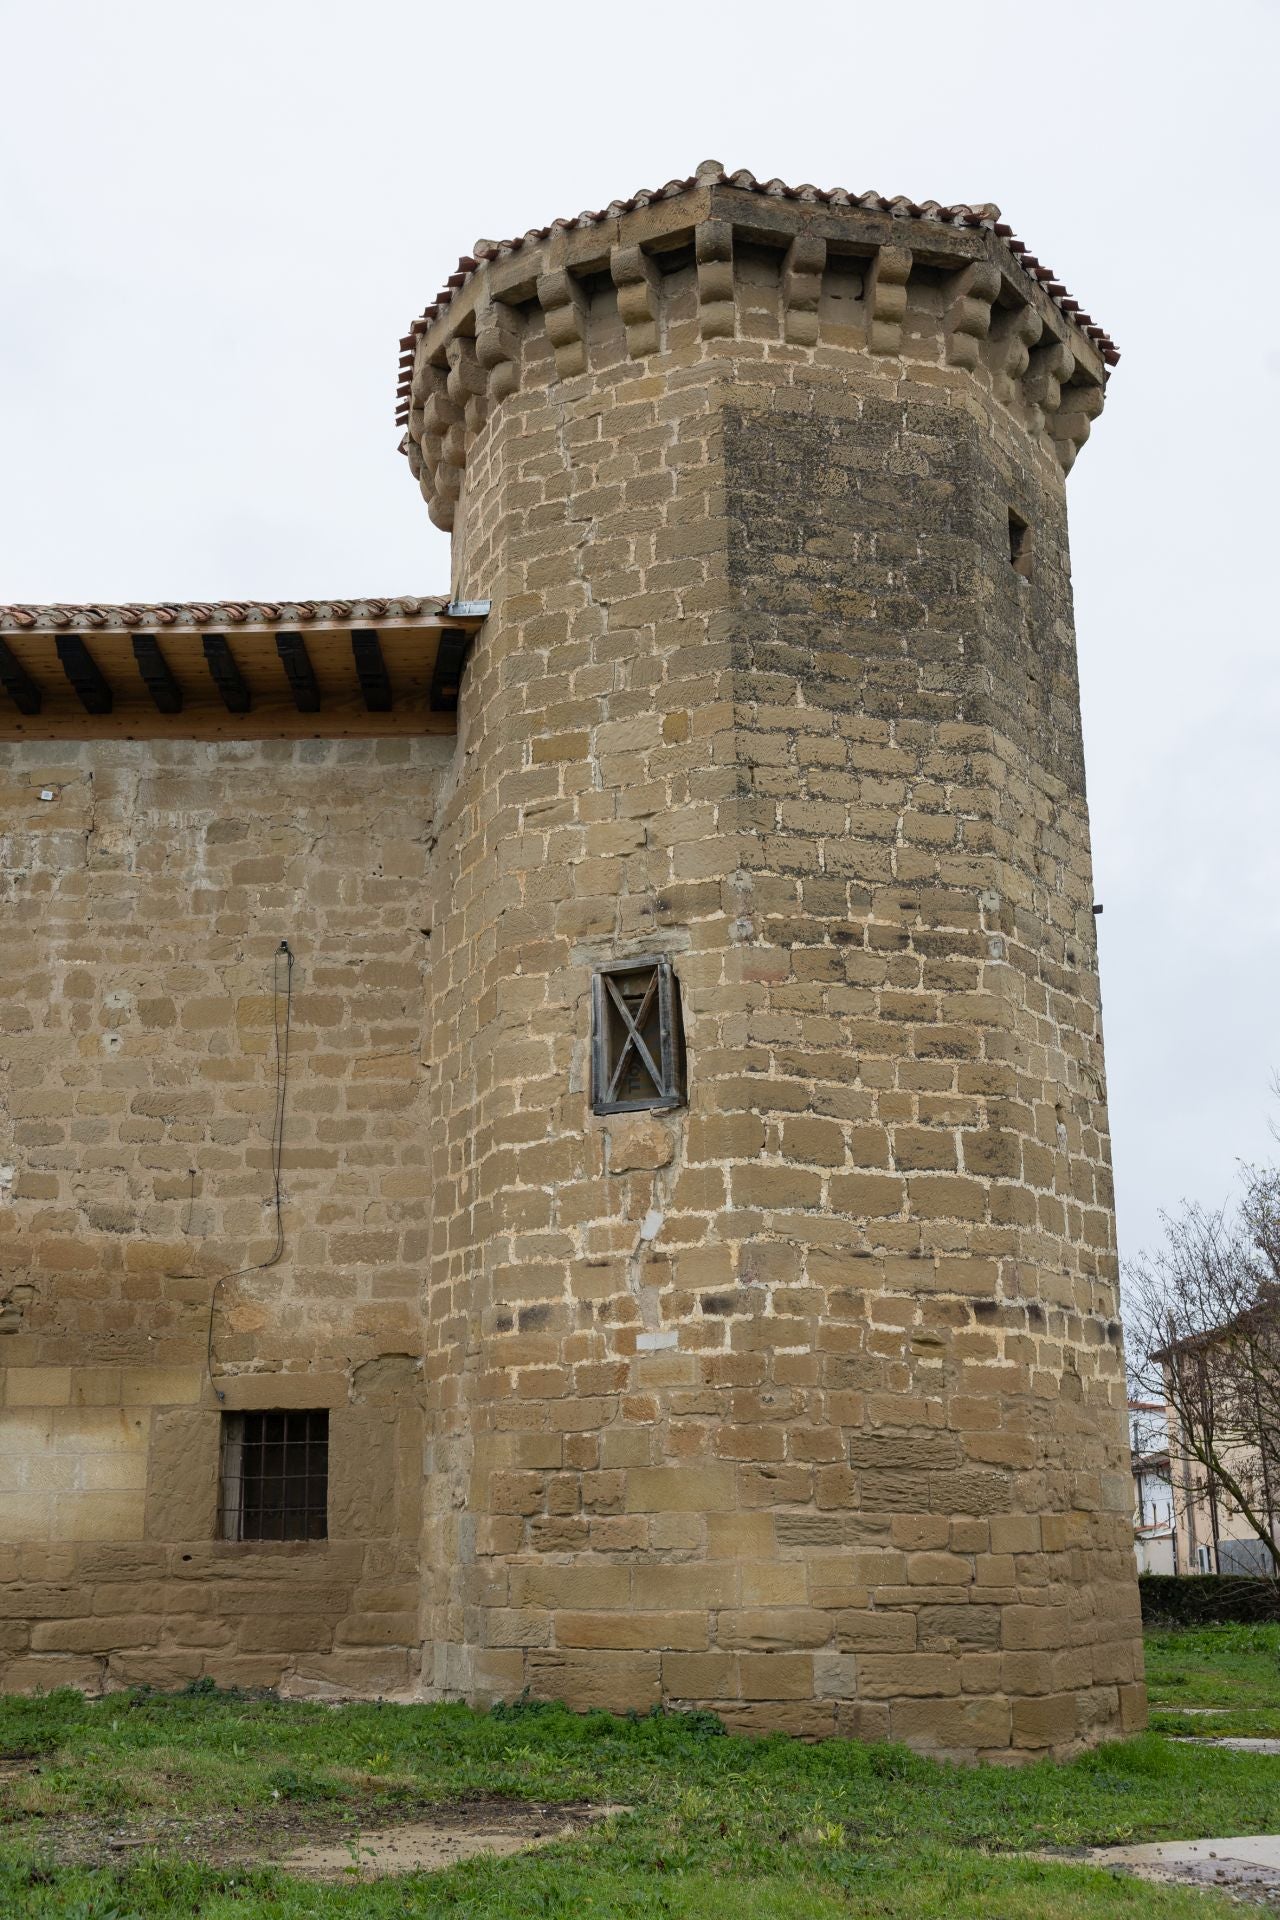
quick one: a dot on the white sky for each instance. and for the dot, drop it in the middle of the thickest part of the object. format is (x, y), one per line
(216, 221)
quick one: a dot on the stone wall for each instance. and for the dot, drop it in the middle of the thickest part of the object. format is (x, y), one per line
(147, 886)
(805, 1403)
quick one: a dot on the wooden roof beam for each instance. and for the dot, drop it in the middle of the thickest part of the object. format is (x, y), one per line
(157, 675)
(89, 683)
(25, 693)
(371, 670)
(446, 677)
(299, 672)
(232, 686)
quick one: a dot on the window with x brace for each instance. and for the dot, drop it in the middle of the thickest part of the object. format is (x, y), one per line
(637, 1040)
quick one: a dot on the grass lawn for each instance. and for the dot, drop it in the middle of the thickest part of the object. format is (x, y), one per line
(1237, 1667)
(139, 1806)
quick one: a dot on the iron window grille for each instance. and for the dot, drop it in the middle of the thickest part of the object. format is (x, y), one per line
(275, 1476)
(637, 1037)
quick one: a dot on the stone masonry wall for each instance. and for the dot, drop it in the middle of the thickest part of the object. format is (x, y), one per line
(805, 1402)
(147, 886)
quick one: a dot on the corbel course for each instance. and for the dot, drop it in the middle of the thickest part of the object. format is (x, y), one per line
(638, 284)
(1014, 331)
(713, 250)
(1050, 367)
(498, 348)
(468, 383)
(968, 313)
(1070, 426)
(564, 308)
(802, 272)
(887, 298)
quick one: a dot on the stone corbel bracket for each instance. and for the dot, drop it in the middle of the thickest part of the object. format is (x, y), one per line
(564, 306)
(887, 298)
(1002, 319)
(967, 321)
(639, 298)
(802, 270)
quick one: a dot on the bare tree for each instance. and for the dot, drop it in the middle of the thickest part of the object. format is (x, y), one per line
(1203, 1334)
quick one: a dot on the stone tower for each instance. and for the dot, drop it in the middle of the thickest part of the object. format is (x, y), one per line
(797, 1393)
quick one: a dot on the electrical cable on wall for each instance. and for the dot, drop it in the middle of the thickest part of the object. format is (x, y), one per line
(282, 952)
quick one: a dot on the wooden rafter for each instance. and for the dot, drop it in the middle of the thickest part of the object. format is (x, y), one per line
(446, 680)
(89, 683)
(232, 686)
(299, 672)
(24, 692)
(157, 675)
(371, 670)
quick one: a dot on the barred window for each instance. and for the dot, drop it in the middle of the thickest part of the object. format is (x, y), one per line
(275, 1476)
(637, 1039)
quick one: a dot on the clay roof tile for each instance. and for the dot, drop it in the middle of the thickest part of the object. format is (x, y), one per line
(143, 617)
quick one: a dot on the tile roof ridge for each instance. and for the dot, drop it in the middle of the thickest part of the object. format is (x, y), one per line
(142, 615)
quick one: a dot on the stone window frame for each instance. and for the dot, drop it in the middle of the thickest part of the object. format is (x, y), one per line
(618, 1034)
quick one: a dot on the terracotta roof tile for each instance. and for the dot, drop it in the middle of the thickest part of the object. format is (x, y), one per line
(899, 208)
(216, 615)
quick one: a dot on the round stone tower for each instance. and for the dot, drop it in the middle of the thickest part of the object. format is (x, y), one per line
(771, 1315)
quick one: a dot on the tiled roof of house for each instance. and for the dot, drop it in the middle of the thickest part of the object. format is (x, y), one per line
(711, 173)
(216, 615)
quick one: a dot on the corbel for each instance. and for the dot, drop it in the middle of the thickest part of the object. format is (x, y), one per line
(564, 308)
(1014, 331)
(713, 250)
(637, 280)
(443, 441)
(468, 383)
(498, 347)
(440, 510)
(1070, 425)
(887, 298)
(440, 414)
(802, 272)
(446, 489)
(1048, 370)
(967, 320)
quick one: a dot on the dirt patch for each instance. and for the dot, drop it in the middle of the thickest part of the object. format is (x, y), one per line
(320, 1843)
(427, 1846)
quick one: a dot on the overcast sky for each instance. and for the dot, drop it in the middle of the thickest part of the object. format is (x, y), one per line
(216, 221)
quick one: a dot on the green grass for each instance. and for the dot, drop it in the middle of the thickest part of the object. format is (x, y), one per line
(719, 1828)
(1237, 1667)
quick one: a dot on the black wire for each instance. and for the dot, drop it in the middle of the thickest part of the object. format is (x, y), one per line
(282, 1082)
(282, 952)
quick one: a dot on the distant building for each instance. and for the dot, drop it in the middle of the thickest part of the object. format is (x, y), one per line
(1155, 1543)
(1211, 1532)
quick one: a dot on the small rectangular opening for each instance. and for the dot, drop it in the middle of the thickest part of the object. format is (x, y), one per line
(1019, 544)
(637, 1039)
(275, 1476)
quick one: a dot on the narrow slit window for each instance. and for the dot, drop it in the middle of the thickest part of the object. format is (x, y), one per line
(637, 1040)
(1019, 544)
(275, 1476)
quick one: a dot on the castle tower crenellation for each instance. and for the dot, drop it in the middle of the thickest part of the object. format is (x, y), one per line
(973, 301)
(785, 1377)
